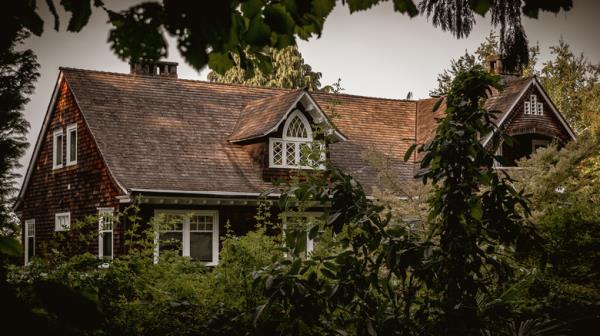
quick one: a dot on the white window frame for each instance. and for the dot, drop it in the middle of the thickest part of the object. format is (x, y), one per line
(71, 161)
(27, 235)
(538, 142)
(55, 135)
(533, 106)
(62, 228)
(185, 242)
(296, 142)
(101, 230)
(310, 243)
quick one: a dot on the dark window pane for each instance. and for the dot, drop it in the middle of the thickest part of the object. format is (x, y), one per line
(201, 246)
(59, 150)
(171, 241)
(30, 247)
(73, 143)
(107, 244)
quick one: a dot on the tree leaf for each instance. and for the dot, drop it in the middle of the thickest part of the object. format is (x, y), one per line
(409, 152)
(406, 7)
(480, 7)
(251, 8)
(81, 10)
(220, 62)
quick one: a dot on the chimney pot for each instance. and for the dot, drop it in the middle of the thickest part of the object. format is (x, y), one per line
(160, 68)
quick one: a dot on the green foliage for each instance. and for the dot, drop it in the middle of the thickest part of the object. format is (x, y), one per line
(288, 71)
(573, 84)
(564, 186)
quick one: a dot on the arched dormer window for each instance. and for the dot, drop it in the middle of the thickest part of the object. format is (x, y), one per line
(294, 149)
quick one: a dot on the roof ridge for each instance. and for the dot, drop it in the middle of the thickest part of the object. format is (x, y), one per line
(283, 90)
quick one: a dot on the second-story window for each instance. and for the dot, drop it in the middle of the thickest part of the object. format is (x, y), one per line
(57, 149)
(71, 144)
(294, 148)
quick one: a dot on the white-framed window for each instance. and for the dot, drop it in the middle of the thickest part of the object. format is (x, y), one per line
(62, 221)
(106, 223)
(533, 107)
(536, 144)
(29, 239)
(293, 149)
(57, 148)
(194, 233)
(71, 144)
(303, 221)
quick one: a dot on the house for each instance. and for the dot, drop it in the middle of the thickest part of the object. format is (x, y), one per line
(201, 153)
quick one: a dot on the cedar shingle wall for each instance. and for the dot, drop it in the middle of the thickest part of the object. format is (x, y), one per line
(80, 188)
(547, 124)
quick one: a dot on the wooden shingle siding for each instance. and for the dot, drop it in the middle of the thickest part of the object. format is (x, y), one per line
(518, 122)
(79, 189)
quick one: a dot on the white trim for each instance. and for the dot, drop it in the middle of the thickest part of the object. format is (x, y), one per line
(554, 109)
(58, 133)
(489, 136)
(26, 237)
(40, 138)
(541, 90)
(305, 123)
(101, 230)
(186, 232)
(315, 112)
(201, 192)
(70, 160)
(66, 227)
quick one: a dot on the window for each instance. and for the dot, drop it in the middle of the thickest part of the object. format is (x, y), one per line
(192, 234)
(72, 144)
(294, 149)
(57, 149)
(305, 221)
(29, 239)
(533, 107)
(62, 221)
(105, 232)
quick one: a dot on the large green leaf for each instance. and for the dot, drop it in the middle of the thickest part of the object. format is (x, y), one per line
(81, 10)
(220, 62)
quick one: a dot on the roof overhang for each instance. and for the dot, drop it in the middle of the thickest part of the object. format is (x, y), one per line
(312, 108)
(535, 82)
(38, 143)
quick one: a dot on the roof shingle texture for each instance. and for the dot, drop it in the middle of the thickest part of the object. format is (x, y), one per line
(171, 134)
(261, 115)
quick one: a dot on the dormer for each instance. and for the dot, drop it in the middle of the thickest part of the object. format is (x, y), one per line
(290, 128)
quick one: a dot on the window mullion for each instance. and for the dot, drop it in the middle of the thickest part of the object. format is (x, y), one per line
(186, 237)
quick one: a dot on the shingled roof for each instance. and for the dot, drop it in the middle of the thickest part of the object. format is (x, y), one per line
(159, 133)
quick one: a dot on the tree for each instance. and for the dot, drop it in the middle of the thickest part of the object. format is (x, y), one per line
(18, 73)
(564, 186)
(384, 279)
(289, 71)
(488, 48)
(573, 84)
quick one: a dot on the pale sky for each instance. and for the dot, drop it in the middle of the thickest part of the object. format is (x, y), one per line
(376, 53)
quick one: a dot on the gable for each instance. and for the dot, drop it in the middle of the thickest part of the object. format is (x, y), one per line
(83, 183)
(523, 118)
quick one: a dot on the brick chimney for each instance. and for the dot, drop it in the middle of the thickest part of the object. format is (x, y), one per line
(493, 64)
(167, 69)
